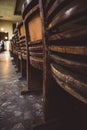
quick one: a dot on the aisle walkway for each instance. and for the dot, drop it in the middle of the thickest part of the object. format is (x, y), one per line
(17, 112)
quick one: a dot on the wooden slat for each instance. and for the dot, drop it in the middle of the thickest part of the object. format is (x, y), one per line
(22, 37)
(22, 42)
(73, 65)
(48, 4)
(56, 7)
(72, 33)
(73, 12)
(28, 7)
(36, 62)
(38, 54)
(31, 12)
(36, 48)
(37, 59)
(53, 7)
(73, 24)
(77, 50)
(23, 48)
(37, 42)
(70, 83)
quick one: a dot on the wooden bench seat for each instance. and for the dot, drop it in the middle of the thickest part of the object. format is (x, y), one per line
(15, 46)
(33, 29)
(65, 54)
(22, 57)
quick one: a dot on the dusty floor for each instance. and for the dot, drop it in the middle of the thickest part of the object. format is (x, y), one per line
(17, 112)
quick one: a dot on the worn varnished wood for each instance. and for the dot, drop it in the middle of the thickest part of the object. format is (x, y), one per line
(65, 52)
(16, 48)
(22, 46)
(71, 64)
(31, 12)
(78, 50)
(68, 81)
(33, 29)
(35, 48)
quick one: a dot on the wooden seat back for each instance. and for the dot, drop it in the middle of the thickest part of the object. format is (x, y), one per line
(32, 19)
(22, 40)
(65, 23)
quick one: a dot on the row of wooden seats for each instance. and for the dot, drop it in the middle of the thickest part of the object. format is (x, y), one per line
(18, 49)
(56, 42)
(13, 44)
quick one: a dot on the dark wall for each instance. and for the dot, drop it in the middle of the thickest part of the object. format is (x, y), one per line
(3, 35)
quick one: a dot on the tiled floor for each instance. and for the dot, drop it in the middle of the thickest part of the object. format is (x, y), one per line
(17, 112)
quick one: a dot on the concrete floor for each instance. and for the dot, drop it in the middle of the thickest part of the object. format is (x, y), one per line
(17, 112)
